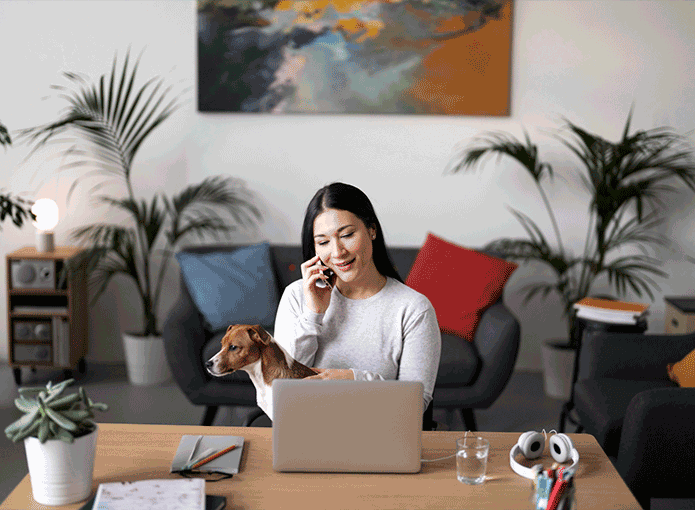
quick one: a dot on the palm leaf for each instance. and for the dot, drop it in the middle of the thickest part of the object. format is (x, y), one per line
(638, 233)
(4, 136)
(104, 116)
(503, 144)
(194, 209)
(112, 252)
(634, 271)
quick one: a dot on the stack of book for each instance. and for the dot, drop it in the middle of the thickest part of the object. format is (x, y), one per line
(613, 312)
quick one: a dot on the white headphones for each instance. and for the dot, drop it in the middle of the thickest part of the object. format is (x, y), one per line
(531, 444)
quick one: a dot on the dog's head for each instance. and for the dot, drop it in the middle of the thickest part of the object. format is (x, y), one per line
(241, 346)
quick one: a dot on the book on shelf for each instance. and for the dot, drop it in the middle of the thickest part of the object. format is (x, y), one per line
(611, 311)
(61, 341)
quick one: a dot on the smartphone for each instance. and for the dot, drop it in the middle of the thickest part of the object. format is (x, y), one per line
(321, 283)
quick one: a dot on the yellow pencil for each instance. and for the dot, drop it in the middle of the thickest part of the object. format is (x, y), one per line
(213, 457)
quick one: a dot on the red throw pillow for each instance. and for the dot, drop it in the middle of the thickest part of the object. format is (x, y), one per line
(460, 283)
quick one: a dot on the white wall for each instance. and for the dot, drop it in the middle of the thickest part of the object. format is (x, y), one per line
(588, 61)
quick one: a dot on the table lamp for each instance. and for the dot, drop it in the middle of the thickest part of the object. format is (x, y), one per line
(46, 212)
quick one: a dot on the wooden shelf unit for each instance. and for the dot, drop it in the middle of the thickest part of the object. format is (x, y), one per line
(43, 310)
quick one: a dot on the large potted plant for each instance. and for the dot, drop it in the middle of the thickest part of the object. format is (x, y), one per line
(60, 438)
(109, 121)
(626, 182)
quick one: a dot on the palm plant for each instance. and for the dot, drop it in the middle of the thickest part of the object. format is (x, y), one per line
(109, 121)
(627, 181)
(12, 207)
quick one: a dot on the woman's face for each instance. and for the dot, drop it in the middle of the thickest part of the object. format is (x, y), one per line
(344, 243)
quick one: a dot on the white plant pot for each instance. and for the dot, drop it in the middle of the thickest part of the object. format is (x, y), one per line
(61, 473)
(146, 360)
(558, 367)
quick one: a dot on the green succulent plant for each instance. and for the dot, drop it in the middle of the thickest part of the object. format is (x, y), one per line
(49, 414)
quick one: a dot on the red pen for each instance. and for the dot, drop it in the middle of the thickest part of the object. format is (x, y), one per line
(557, 492)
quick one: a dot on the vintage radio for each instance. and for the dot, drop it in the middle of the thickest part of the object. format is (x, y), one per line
(33, 274)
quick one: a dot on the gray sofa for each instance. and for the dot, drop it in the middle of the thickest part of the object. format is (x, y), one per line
(471, 374)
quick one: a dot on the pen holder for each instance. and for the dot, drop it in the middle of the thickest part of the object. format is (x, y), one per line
(549, 493)
(567, 502)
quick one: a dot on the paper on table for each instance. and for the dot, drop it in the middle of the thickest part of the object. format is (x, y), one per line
(183, 494)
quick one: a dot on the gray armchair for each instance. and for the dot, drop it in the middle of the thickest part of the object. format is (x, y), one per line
(656, 457)
(641, 419)
(471, 374)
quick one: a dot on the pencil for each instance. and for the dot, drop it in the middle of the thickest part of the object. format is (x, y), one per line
(213, 457)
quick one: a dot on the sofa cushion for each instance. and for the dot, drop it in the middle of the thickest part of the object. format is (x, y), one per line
(601, 404)
(683, 372)
(460, 283)
(236, 287)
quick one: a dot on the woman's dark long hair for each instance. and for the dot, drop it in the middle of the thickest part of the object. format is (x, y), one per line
(346, 197)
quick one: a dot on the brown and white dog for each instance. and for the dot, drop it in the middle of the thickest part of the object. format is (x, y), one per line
(253, 350)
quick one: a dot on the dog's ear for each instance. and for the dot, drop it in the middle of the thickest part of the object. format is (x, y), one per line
(258, 334)
(230, 327)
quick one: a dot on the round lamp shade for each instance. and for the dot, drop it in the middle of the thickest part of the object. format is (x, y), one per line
(46, 211)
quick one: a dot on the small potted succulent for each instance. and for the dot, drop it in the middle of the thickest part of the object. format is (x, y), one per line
(60, 439)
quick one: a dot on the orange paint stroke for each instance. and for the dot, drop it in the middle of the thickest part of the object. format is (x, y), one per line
(351, 28)
(469, 74)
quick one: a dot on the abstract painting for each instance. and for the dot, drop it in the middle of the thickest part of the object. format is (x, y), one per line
(447, 57)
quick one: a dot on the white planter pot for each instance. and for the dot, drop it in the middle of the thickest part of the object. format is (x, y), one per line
(61, 473)
(558, 365)
(145, 360)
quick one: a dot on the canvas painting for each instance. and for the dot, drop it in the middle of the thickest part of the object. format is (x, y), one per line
(448, 57)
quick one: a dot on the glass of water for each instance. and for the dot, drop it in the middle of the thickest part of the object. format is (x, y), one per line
(471, 459)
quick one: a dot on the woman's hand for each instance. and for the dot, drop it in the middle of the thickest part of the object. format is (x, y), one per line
(317, 298)
(334, 374)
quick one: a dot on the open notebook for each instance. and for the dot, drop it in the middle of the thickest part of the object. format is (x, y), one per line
(227, 463)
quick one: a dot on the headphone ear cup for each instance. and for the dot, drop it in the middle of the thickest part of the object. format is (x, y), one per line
(561, 447)
(531, 444)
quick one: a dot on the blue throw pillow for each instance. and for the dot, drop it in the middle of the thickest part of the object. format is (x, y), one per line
(236, 287)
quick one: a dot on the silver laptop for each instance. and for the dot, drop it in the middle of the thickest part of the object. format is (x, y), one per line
(347, 426)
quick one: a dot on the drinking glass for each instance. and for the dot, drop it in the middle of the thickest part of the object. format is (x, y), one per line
(471, 459)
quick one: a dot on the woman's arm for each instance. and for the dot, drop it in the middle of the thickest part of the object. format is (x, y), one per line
(296, 327)
(422, 346)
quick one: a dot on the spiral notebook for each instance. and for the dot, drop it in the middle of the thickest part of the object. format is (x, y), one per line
(212, 502)
(193, 447)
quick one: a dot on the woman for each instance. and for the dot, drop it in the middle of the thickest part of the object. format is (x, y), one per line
(364, 324)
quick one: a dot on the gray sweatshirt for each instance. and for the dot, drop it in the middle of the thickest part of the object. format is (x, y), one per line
(393, 334)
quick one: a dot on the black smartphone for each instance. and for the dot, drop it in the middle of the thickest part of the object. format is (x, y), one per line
(321, 283)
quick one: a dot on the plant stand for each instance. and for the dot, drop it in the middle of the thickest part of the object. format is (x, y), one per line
(558, 363)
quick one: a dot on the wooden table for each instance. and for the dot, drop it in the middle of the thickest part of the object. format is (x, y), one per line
(134, 452)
